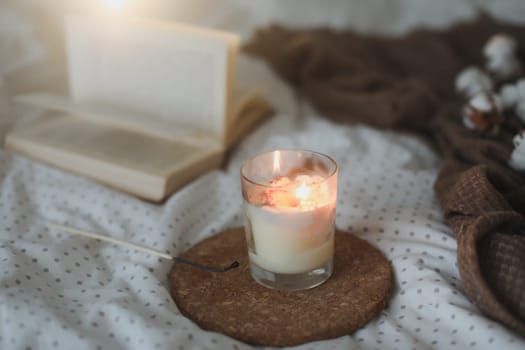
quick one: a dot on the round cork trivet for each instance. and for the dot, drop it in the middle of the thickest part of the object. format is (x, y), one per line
(234, 304)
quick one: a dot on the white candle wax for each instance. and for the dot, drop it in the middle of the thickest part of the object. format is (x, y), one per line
(294, 232)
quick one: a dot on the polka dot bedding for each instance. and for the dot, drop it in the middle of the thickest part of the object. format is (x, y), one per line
(59, 291)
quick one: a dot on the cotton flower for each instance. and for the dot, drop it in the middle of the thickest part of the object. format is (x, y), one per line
(500, 45)
(509, 94)
(505, 68)
(517, 158)
(472, 81)
(483, 113)
(513, 96)
(500, 51)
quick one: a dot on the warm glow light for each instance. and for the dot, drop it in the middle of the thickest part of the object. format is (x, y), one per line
(276, 161)
(302, 191)
(116, 5)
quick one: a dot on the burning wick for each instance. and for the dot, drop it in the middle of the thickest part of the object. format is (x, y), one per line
(162, 255)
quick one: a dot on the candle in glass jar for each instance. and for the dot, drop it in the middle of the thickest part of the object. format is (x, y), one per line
(289, 206)
(292, 231)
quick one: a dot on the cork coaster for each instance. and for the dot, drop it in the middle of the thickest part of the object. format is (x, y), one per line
(232, 303)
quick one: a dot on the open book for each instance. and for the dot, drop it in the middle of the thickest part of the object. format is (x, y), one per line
(151, 105)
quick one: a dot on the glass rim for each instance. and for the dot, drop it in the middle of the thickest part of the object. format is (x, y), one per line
(319, 154)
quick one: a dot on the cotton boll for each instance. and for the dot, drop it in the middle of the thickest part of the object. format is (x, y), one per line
(500, 53)
(483, 113)
(487, 102)
(517, 158)
(509, 95)
(504, 67)
(472, 81)
(481, 102)
(512, 94)
(499, 45)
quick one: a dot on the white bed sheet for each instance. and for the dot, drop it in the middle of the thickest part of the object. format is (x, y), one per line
(66, 292)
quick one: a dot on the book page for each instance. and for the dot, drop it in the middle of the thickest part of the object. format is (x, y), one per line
(125, 148)
(171, 130)
(159, 69)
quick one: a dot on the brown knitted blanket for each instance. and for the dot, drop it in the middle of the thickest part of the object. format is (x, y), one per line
(408, 83)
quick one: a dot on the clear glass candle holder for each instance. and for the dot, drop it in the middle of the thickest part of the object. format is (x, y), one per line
(289, 206)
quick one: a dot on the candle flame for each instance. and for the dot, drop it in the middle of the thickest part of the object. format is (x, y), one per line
(302, 191)
(276, 161)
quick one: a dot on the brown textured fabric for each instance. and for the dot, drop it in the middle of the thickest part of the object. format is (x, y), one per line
(407, 83)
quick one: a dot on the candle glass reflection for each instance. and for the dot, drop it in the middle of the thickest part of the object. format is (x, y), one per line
(289, 206)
